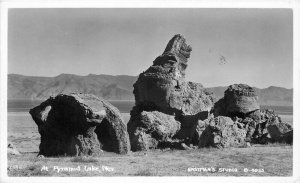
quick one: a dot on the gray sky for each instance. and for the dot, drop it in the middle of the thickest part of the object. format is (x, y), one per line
(257, 43)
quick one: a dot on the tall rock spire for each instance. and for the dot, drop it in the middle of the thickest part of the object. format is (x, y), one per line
(162, 94)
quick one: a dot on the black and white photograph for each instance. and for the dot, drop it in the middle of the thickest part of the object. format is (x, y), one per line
(149, 92)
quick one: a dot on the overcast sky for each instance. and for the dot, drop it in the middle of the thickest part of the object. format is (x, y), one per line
(256, 43)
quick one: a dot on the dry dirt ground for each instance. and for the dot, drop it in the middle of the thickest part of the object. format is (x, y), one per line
(269, 160)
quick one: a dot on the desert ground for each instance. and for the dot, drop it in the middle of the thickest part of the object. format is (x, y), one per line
(273, 160)
(257, 160)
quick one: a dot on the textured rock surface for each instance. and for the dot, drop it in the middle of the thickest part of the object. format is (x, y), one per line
(261, 134)
(249, 125)
(149, 130)
(272, 129)
(163, 84)
(112, 132)
(222, 132)
(277, 130)
(239, 100)
(162, 87)
(67, 125)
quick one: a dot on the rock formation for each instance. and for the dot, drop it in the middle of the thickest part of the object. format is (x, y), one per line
(275, 128)
(171, 112)
(151, 129)
(222, 132)
(272, 129)
(163, 84)
(79, 124)
(163, 88)
(240, 102)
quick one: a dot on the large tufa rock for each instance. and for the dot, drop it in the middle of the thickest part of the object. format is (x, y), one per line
(223, 132)
(239, 100)
(277, 130)
(79, 124)
(151, 130)
(261, 134)
(162, 87)
(163, 84)
(280, 131)
(272, 129)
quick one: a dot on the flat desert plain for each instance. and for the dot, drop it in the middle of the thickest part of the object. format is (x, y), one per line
(257, 160)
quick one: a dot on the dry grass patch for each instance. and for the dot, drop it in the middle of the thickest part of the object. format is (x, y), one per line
(84, 159)
(274, 160)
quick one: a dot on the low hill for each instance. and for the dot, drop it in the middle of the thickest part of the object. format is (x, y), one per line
(110, 87)
(105, 86)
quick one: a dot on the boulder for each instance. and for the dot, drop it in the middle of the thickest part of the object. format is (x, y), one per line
(239, 100)
(271, 129)
(222, 132)
(278, 130)
(79, 124)
(148, 130)
(287, 137)
(163, 88)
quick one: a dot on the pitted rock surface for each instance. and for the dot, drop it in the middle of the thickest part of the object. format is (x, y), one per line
(239, 100)
(163, 88)
(222, 132)
(151, 130)
(67, 125)
(163, 84)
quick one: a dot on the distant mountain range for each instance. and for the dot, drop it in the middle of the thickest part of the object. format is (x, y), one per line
(105, 86)
(112, 88)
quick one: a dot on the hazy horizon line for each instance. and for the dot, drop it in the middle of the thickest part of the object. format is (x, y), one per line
(137, 76)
